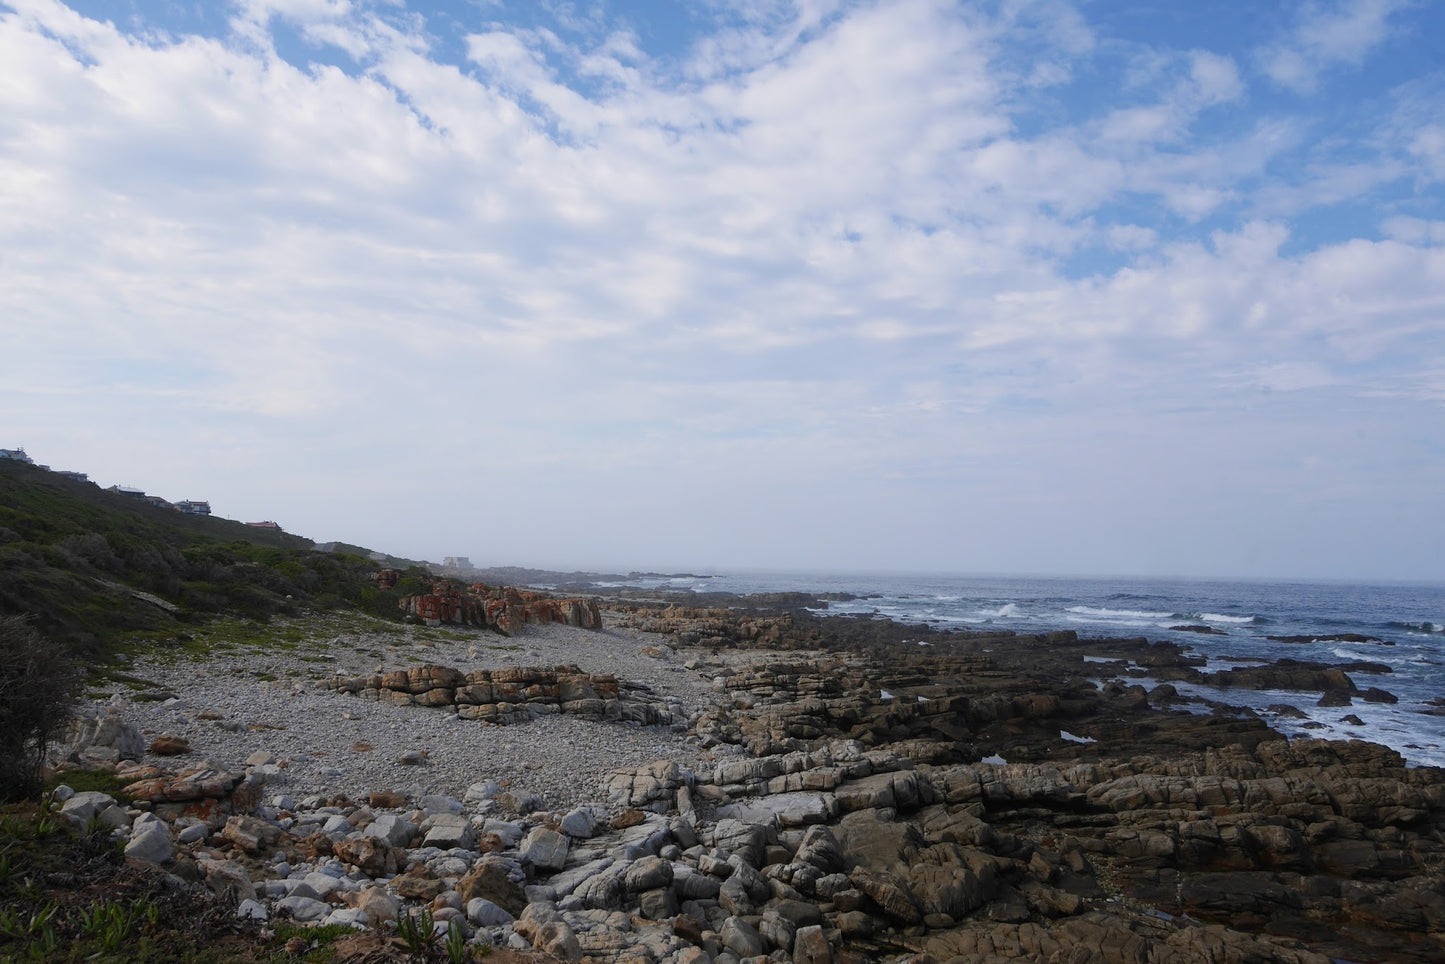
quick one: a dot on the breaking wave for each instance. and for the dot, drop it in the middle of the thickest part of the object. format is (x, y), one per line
(1102, 613)
(1232, 620)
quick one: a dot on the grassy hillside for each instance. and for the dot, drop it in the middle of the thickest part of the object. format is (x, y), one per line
(92, 567)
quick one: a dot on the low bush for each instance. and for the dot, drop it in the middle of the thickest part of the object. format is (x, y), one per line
(38, 686)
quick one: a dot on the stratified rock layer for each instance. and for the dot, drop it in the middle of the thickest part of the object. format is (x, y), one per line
(502, 608)
(513, 694)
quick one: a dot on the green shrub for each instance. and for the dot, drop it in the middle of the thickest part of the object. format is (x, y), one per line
(38, 686)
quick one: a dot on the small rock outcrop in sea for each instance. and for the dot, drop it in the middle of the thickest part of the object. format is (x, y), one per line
(1331, 638)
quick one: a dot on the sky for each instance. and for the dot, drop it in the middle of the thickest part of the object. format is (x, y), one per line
(1043, 287)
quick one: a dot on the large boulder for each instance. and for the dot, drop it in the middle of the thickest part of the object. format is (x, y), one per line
(491, 879)
(545, 849)
(105, 738)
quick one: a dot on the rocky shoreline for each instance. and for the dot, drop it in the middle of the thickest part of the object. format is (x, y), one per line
(690, 785)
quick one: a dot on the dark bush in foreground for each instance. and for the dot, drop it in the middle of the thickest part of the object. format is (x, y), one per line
(38, 686)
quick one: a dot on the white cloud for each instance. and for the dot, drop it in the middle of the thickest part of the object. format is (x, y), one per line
(831, 251)
(1292, 376)
(1215, 78)
(1429, 146)
(1414, 230)
(1328, 35)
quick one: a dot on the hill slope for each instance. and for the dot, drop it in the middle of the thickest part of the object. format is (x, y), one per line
(91, 566)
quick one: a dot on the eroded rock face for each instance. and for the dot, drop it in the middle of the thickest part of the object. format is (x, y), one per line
(105, 739)
(514, 694)
(502, 608)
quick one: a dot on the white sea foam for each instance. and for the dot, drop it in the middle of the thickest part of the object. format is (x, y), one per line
(1006, 611)
(1101, 613)
(885, 695)
(1218, 618)
(1066, 735)
(996, 760)
(1380, 723)
(1353, 656)
(1097, 621)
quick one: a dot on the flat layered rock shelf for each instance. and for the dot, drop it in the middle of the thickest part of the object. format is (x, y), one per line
(703, 785)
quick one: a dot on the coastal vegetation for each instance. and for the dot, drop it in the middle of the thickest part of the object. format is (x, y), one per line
(37, 688)
(88, 580)
(95, 570)
(69, 895)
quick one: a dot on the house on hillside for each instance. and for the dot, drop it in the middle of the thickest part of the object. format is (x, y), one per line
(457, 562)
(74, 476)
(16, 455)
(190, 507)
(128, 491)
(268, 524)
(159, 503)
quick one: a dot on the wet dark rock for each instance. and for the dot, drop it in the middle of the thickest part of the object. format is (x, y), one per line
(1217, 817)
(1287, 674)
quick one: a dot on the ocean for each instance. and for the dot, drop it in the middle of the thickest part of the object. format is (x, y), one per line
(1407, 619)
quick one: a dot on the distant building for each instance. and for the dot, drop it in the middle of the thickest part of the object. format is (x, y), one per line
(194, 508)
(74, 476)
(268, 524)
(126, 490)
(16, 455)
(158, 502)
(457, 562)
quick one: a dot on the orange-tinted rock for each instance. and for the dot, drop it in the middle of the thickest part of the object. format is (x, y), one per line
(505, 608)
(420, 679)
(169, 745)
(251, 835)
(196, 785)
(368, 854)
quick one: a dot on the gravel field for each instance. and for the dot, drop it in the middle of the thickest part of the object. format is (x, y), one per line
(265, 697)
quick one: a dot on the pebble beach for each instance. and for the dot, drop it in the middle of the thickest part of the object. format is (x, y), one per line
(247, 700)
